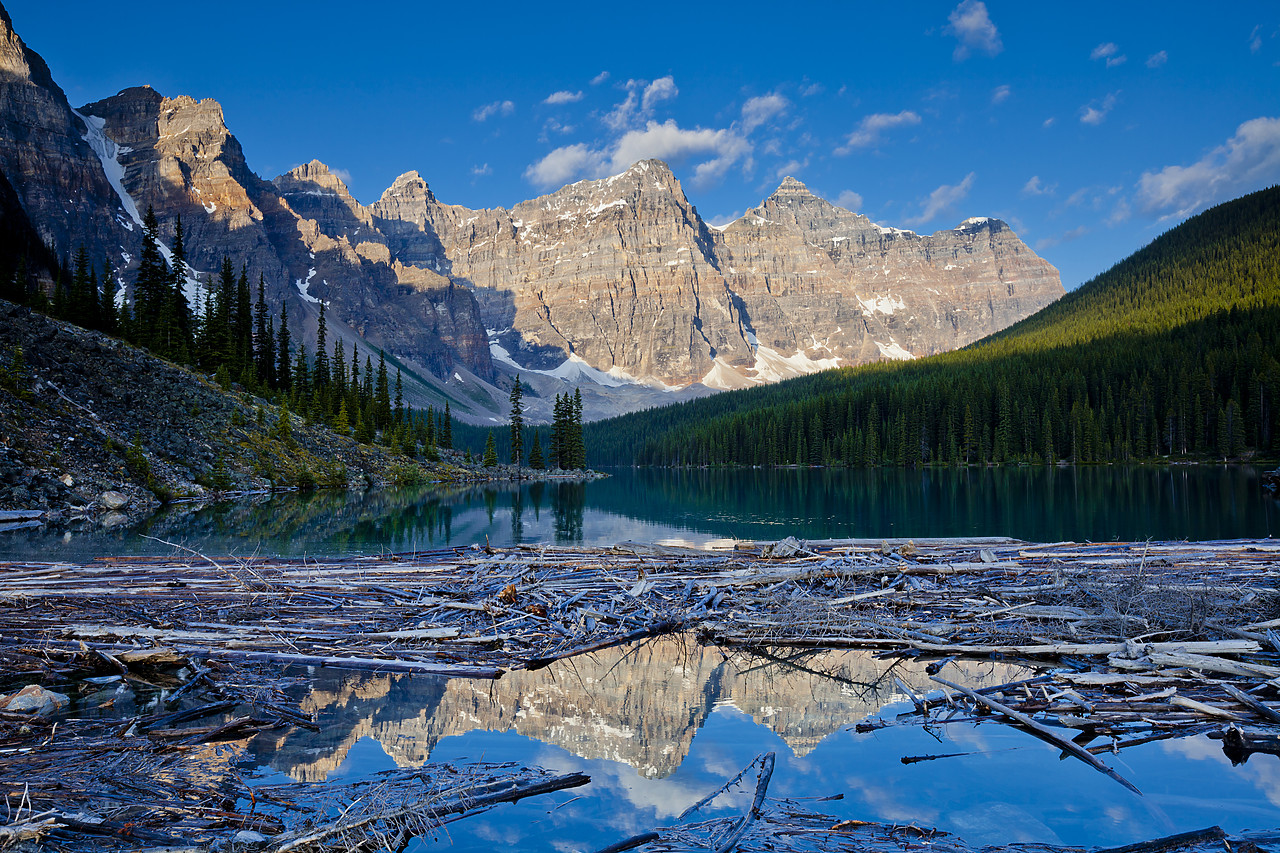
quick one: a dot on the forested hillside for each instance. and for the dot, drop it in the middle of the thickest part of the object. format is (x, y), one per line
(1173, 352)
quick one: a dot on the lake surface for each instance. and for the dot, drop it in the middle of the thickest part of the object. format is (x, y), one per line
(662, 724)
(710, 508)
(659, 725)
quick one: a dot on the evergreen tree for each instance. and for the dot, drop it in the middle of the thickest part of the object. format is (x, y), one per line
(264, 345)
(535, 453)
(320, 376)
(176, 317)
(446, 432)
(399, 410)
(82, 304)
(517, 424)
(578, 447)
(106, 300)
(490, 452)
(339, 378)
(242, 323)
(222, 349)
(382, 401)
(283, 343)
(300, 384)
(151, 284)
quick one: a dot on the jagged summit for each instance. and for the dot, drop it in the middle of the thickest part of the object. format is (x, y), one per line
(407, 186)
(790, 187)
(313, 177)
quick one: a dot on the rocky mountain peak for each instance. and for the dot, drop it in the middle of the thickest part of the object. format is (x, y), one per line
(18, 62)
(313, 178)
(791, 188)
(409, 186)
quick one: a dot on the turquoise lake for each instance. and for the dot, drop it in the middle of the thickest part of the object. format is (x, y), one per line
(710, 508)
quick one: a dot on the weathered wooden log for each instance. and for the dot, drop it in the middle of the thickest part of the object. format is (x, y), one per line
(1043, 732)
(1170, 842)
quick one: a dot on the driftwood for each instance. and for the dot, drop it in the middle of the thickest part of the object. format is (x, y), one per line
(1133, 642)
(1042, 732)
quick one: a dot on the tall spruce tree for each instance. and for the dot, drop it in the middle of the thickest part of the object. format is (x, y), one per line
(176, 317)
(320, 375)
(264, 348)
(242, 324)
(282, 349)
(382, 402)
(517, 424)
(151, 284)
(536, 461)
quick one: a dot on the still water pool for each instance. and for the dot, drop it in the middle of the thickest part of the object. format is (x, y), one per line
(662, 724)
(708, 508)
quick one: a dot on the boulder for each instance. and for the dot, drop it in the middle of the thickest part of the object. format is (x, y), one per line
(113, 500)
(34, 699)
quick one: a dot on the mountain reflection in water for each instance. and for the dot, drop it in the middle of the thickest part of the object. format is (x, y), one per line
(663, 723)
(708, 507)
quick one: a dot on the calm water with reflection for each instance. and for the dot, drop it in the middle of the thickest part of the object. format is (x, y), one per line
(660, 725)
(709, 506)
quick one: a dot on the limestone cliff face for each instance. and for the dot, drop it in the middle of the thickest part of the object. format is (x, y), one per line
(613, 284)
(818, 278)
(619, 273)
(57, 176)
(623, 274)
(178, 157)
(641, 706)
(304, 233)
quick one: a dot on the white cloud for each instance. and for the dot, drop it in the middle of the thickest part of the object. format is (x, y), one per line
(849, 200)
(600, 78)
(486, 112)
(1255, 39)
(870, 128)
(1034, 187)
(641, 98)
(564, 164)
(1155, 60)
(758, 110)
(1049, 122)
(1000, 94)
(669, 142)
(662, 89)
(717, 150)
(1120, 213)
(1249, 160)
(551, 126)
(481, 171)
(343, 175)
(811, 90)
(791, 167)
(972, 26)
(1095, 112)
(942, 200)
(1110, 52)
(563, 97)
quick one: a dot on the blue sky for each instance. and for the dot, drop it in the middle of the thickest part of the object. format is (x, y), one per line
(1090, 127)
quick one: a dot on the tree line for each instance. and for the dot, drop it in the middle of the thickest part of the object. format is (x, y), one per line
(562, 438)
(221, 328)
(1172, 353)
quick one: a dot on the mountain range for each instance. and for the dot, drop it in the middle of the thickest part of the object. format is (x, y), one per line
(615, 285)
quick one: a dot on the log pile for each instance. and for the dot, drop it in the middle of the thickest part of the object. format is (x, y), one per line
(1132, 642)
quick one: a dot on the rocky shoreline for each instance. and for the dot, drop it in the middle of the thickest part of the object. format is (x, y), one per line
(94, 430)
